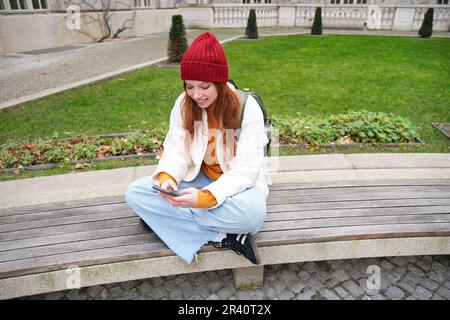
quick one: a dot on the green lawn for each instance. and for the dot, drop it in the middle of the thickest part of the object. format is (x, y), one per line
(313, 75)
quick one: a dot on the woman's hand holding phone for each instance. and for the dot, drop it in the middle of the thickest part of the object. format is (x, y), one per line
(188, 199)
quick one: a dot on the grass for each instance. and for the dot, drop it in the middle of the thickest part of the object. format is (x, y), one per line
(313, 75)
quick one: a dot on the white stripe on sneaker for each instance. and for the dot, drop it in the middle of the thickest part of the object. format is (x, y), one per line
(243, 239)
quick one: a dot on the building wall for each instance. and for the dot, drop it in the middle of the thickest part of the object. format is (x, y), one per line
(26, 32)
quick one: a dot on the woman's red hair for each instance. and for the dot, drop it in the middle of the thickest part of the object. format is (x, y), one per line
(224, 112)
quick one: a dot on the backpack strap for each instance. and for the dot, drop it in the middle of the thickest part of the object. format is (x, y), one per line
(243, 99)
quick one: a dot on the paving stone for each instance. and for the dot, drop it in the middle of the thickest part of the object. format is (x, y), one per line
(328, 294)
(145, 287)
(323, 275)
(437, 297)
(335, 264)
(386, 265)
(104, 294)
(306, 294)
(412, 259)
(293, 267)
(288, 276)
(422, 293)
(424, 265)
(76, 295)
(405, 286)
(225, 293)
(393, 277)
(314, 283)
(304, 275)
(438, 277)
(94, 291)
(131, 294)
(214, 285)
(310, 267)
(213, 297)
(340, 275)
(297, 287)
(400, 261)
(444, 292)
(54, 295)
(270, 293)
(418, 272)
(156, 282)
(180, 279)
(341, 292)
(438, 267)
(286, 295)
(278, 286)
(353, 288)
(429, 284)
(447, 284)
(413, 278)
(176, 294)
(378, 297)
(171, 285)
(394, 293)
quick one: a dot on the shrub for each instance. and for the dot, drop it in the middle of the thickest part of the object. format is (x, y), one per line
(426, 28)
(317, 25)
(353, 127)
(252, 28)
(177, 39)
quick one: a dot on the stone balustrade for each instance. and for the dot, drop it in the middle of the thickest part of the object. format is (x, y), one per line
(388, 17)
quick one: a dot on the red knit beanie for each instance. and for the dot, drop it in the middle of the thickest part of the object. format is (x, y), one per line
(205, 60)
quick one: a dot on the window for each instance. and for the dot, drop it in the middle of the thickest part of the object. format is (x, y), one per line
(267, 1)
(2, 6)
(442, 1)
(18, 4)
(353, 1)
(142, 3)
(39, 4)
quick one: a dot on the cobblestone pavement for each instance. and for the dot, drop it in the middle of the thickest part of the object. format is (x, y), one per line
(403, 278)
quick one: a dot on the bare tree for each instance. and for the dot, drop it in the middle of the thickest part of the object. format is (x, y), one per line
(99, 13)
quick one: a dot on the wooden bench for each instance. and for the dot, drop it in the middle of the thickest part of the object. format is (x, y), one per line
(42, 246)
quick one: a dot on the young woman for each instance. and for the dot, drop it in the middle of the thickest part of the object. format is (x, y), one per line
(220, 174)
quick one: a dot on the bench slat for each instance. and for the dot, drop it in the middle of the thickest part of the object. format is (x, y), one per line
(359, 196)
(359, 183)
(136, 228)
(357, 204)
(78, 246)
(280, 237)
(84, 258)
(364, 212)
(272, 238)
(68, 228)
(356, 190)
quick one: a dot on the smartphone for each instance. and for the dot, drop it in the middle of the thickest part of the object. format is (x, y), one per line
(172, 193)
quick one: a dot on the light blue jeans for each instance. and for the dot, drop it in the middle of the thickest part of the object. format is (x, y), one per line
(186, 230)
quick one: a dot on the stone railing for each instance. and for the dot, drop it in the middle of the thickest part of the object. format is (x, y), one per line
(388, 17)
(232, 15)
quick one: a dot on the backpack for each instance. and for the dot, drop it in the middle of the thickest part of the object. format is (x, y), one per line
(243, 95)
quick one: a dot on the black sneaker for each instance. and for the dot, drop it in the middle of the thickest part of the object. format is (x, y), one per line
(241, 244)
(146, 226)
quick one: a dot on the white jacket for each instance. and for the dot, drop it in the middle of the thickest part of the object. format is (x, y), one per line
(183, 159)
